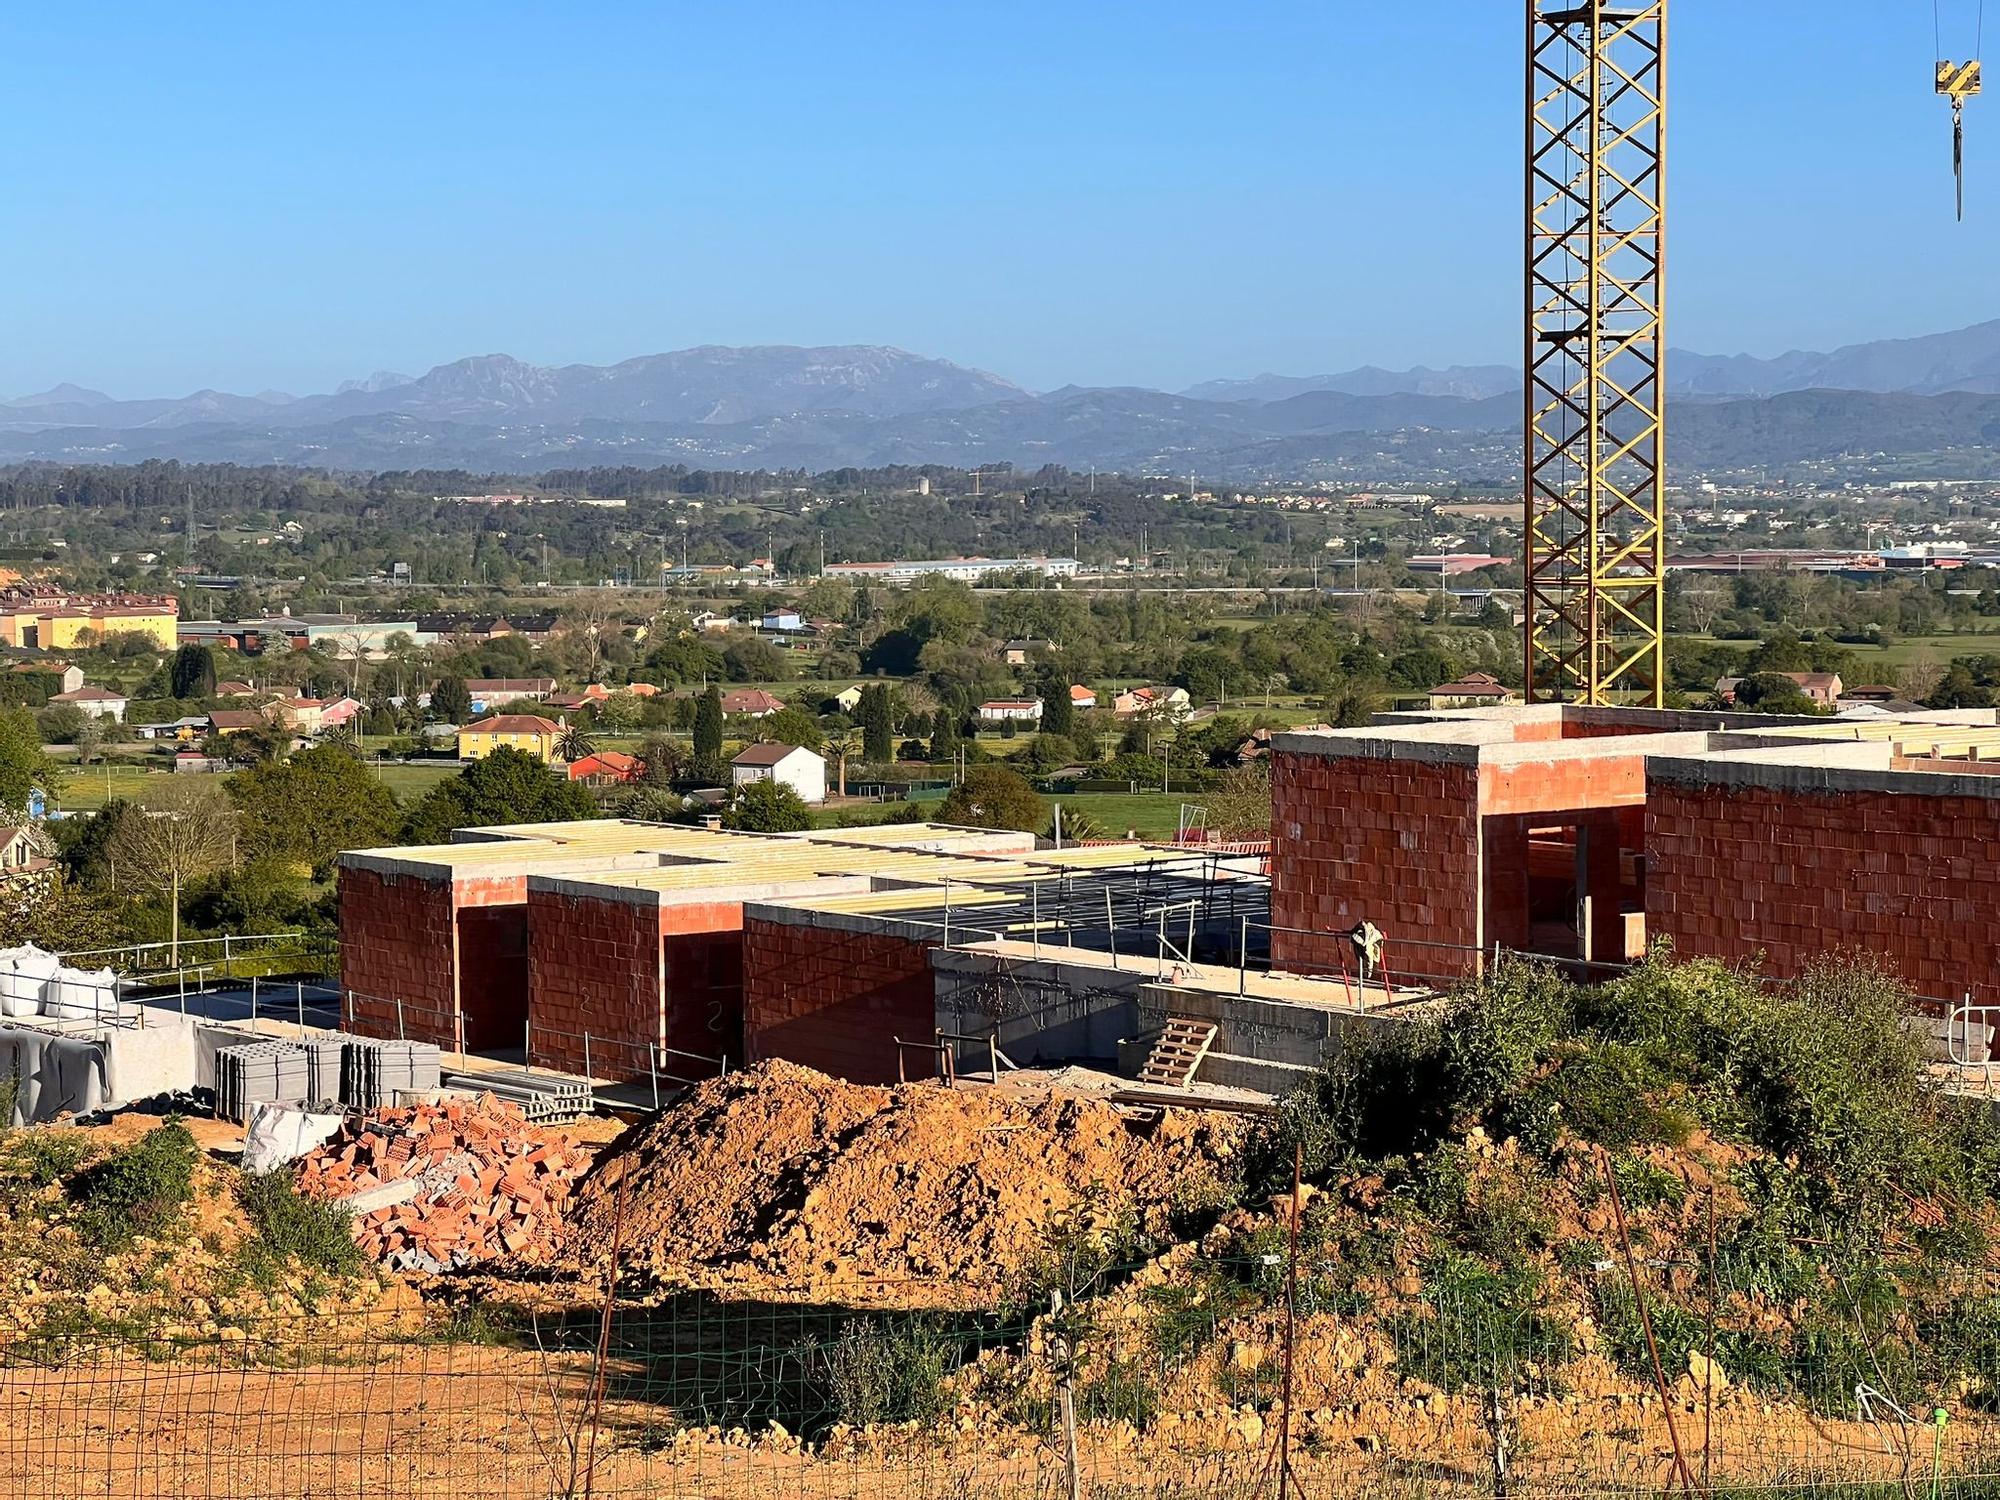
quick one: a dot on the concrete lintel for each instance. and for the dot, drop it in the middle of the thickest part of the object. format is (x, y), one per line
(877, 924)
(1455, 748)
(1839, 770)
(376, 862)
(591, 890)
(1597, 747)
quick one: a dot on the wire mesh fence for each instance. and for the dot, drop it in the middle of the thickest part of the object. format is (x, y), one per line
(1265, 1374)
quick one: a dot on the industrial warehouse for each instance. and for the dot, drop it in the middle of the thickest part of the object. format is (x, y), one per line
(637, 953)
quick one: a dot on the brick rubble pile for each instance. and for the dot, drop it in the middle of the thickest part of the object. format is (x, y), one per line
(439, 1187)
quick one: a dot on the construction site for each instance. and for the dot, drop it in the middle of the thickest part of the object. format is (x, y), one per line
(1584, 1098)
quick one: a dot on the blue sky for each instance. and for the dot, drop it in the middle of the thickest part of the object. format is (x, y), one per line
(250, 196)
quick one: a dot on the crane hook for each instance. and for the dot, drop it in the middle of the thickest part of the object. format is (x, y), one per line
(1958, 82)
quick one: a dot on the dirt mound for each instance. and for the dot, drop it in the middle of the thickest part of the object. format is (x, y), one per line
(783, 1182)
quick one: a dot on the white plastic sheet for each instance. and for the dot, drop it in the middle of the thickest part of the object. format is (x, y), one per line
(279, 1133)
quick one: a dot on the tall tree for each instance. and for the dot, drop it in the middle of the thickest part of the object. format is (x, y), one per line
(1058, 712)
(311, 807)
(708, 725)
(193, 672)
(878, 733)
(186, 829)
(451, 700)
(24, 765)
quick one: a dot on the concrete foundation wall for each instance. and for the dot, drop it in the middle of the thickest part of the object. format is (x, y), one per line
(832, 994)
(1044, 1011)
(1269, 1045)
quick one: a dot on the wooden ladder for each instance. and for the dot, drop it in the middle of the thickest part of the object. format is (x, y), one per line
(1178, 1052)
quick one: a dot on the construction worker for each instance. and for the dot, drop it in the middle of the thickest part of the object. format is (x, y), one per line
(1367, 940)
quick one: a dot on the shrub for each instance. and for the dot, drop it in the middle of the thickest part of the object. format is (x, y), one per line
(890, 1370)
(291, 1227)
(47, 1156)
(139, 1189)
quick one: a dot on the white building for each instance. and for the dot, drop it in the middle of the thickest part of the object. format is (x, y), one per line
(96, 702)
(788, 765)
(1015, 710)
(964, 569)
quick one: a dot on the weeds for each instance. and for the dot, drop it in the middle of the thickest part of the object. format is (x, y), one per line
(890, 1370)
(314, 1235)
(139, 1189)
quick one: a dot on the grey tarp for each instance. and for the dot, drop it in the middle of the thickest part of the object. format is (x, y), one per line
(52, 1074)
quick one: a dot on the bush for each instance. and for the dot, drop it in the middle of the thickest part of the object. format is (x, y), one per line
(139, 1189)
(290, 1227)
(890, 1370)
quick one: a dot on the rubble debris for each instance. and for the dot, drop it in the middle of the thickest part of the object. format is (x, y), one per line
(440, 1187)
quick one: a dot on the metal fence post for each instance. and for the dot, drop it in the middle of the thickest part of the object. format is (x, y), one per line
(225, 955)
(182, 978)
(1111, 927)
(588, 1072)
(301, 987)
(253, 999)
(1035, 920)
(653, 1068)
(401, 1035)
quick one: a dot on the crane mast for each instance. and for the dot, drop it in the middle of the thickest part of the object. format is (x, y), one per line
(1596, 346)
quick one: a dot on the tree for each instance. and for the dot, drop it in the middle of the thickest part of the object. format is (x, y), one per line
(841, 745)
(574, 743)
(185, 831)
(451, 701)
(708, 725)
(193, 672)
(1241, 807)
(768, 807)
(24, 765)
(55, 914)
(993, 797)
(621, 712)
(1058, 710)
(659, 761)
(878, 732)
(308, 809)
(1773, 693)
(508, 786)
(944, 736)
(791, 726)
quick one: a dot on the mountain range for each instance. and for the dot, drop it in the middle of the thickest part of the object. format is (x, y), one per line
(778, 406)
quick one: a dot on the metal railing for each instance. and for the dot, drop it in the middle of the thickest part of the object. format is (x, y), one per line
(231, 955)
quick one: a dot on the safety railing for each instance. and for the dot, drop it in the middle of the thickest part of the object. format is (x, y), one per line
(600, 1055)
(990, 1040)
(232, 955)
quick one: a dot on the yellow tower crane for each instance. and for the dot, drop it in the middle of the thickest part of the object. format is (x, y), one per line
(1595, 486)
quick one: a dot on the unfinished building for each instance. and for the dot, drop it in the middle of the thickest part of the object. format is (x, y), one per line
(1588, 834)
(631, 951)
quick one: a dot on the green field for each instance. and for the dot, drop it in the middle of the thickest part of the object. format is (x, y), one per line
(87, 788)
(1152, 815)
(409, 782)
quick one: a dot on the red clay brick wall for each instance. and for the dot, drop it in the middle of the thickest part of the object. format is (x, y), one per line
(1732, 871)
(593, 967)
(1395, 841)
(835, 1000)
(395, 944)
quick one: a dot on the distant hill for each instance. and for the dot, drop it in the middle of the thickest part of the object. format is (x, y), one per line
(1965, 360)
(705, 385)
(865, 405)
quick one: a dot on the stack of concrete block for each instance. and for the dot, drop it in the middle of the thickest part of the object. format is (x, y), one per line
(374, 1073)
(256, 1073)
